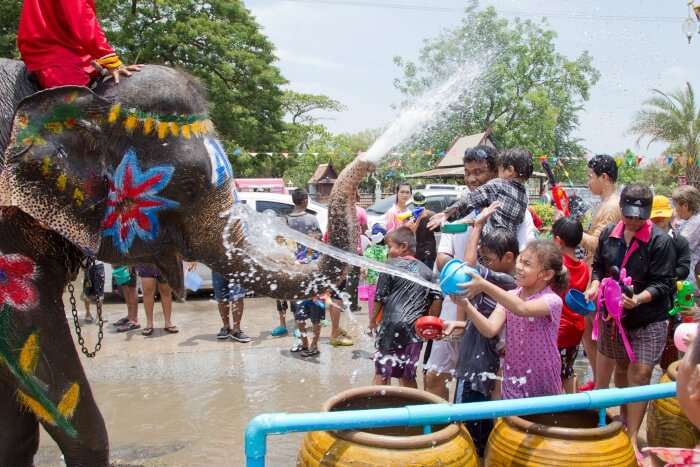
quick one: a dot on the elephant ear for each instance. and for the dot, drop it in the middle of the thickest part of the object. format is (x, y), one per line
(54, 167)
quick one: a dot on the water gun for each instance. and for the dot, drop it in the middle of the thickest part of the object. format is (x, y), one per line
(414, 214)
(684, 299)
(559, 196)
(610, 296)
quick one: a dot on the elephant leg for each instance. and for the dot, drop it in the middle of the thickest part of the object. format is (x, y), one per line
(20, 441)
(88, 444)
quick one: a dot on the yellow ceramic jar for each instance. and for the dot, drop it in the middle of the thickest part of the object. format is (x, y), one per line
(566, 439)
(666, 424)
(447, 445)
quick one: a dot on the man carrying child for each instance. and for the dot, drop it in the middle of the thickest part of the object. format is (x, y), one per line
(400, 303)
(514, 169)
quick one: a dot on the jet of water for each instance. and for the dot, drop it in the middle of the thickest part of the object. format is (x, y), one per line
(421, 113)
(269, 228)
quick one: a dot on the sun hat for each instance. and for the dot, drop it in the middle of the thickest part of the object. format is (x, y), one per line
(661, 207)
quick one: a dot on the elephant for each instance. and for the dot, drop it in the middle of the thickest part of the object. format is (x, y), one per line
(129, 173)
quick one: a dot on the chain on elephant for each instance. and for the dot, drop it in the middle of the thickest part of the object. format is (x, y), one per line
(89, 262)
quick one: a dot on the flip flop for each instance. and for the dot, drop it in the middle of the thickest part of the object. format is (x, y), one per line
(121, 321)
(147, 331)
(128, 326)
(172, 329)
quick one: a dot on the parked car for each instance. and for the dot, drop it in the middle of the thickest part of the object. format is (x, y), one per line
(436, 201)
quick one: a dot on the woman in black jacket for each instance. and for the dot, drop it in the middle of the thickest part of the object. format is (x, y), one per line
(647, 254)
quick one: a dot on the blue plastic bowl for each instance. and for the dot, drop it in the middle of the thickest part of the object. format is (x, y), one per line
(577, 302)
(453, 273)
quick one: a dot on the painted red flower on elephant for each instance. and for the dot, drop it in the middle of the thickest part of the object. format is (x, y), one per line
(17, 288)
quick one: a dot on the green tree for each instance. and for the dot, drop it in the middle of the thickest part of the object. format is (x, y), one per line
(301, 112)
(527, 92)
(674, 119)
(9, 19)
(218, 41)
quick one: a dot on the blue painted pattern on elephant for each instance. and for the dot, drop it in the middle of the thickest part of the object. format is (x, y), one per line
(132, 202)
(221, 169)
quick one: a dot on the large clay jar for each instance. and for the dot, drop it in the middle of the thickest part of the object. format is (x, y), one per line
(447, 445)
(666, 424)
(566, 439)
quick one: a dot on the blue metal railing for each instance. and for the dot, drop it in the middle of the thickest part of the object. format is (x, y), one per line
(429, 414)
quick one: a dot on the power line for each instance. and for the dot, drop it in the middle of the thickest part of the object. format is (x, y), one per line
(548, 14)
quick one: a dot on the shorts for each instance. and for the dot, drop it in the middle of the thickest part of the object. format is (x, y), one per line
(94, 282)
(226, 291)
(398, 363)
(308, 309)
(647, 342)
(568, 357)
(64, 75)
(132, 276)
(444, 356)
(150, 272)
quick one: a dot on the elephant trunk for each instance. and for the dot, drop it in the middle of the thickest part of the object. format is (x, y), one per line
(232, 251)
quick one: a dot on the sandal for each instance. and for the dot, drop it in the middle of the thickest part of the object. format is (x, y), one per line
(128, 326)
(121, 321)
(298, 348)
(147, 331)
(172, 329)
(310, 353)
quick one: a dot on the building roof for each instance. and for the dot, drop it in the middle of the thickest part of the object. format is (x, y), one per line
(324, 173)
(454, 156)
(457, 172)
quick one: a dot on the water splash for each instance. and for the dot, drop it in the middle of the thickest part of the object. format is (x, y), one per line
(269, 229)
(423, 112)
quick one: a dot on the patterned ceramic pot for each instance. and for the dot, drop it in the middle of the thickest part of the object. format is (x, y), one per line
(447, 445)
(565, 439)
(666, 424)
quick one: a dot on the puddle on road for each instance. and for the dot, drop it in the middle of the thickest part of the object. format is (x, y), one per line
(191, 409)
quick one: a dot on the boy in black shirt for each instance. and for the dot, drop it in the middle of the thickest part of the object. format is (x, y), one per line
(400, 303)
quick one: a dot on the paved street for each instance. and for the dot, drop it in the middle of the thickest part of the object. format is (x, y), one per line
(184, 399)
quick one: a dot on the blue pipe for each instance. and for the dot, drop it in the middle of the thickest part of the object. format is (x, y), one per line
(433, 414)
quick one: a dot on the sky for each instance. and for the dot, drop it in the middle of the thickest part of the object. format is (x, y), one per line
(345, 49)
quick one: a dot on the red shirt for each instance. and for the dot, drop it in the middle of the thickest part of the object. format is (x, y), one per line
(60, 32)
(571, 324)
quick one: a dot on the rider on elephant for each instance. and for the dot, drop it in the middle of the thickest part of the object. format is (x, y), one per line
(61, 41)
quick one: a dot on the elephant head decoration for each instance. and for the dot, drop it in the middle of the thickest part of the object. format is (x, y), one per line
(134, 173)
(130, 173)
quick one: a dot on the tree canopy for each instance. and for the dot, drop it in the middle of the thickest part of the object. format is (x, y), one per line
(218, 41)
(673, 118)
(528, 93)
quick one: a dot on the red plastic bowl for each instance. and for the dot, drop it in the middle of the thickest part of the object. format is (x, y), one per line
(429, 327)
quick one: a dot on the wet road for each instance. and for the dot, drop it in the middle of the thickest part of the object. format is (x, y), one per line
(185, 399)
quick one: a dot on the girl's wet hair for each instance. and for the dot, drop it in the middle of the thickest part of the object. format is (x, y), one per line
(549, 257)
(400, 184)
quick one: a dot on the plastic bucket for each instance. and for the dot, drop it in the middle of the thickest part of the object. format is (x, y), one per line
(576, 301)
(121, 275)
(363, 293)
(193, 281)
(453, 273)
